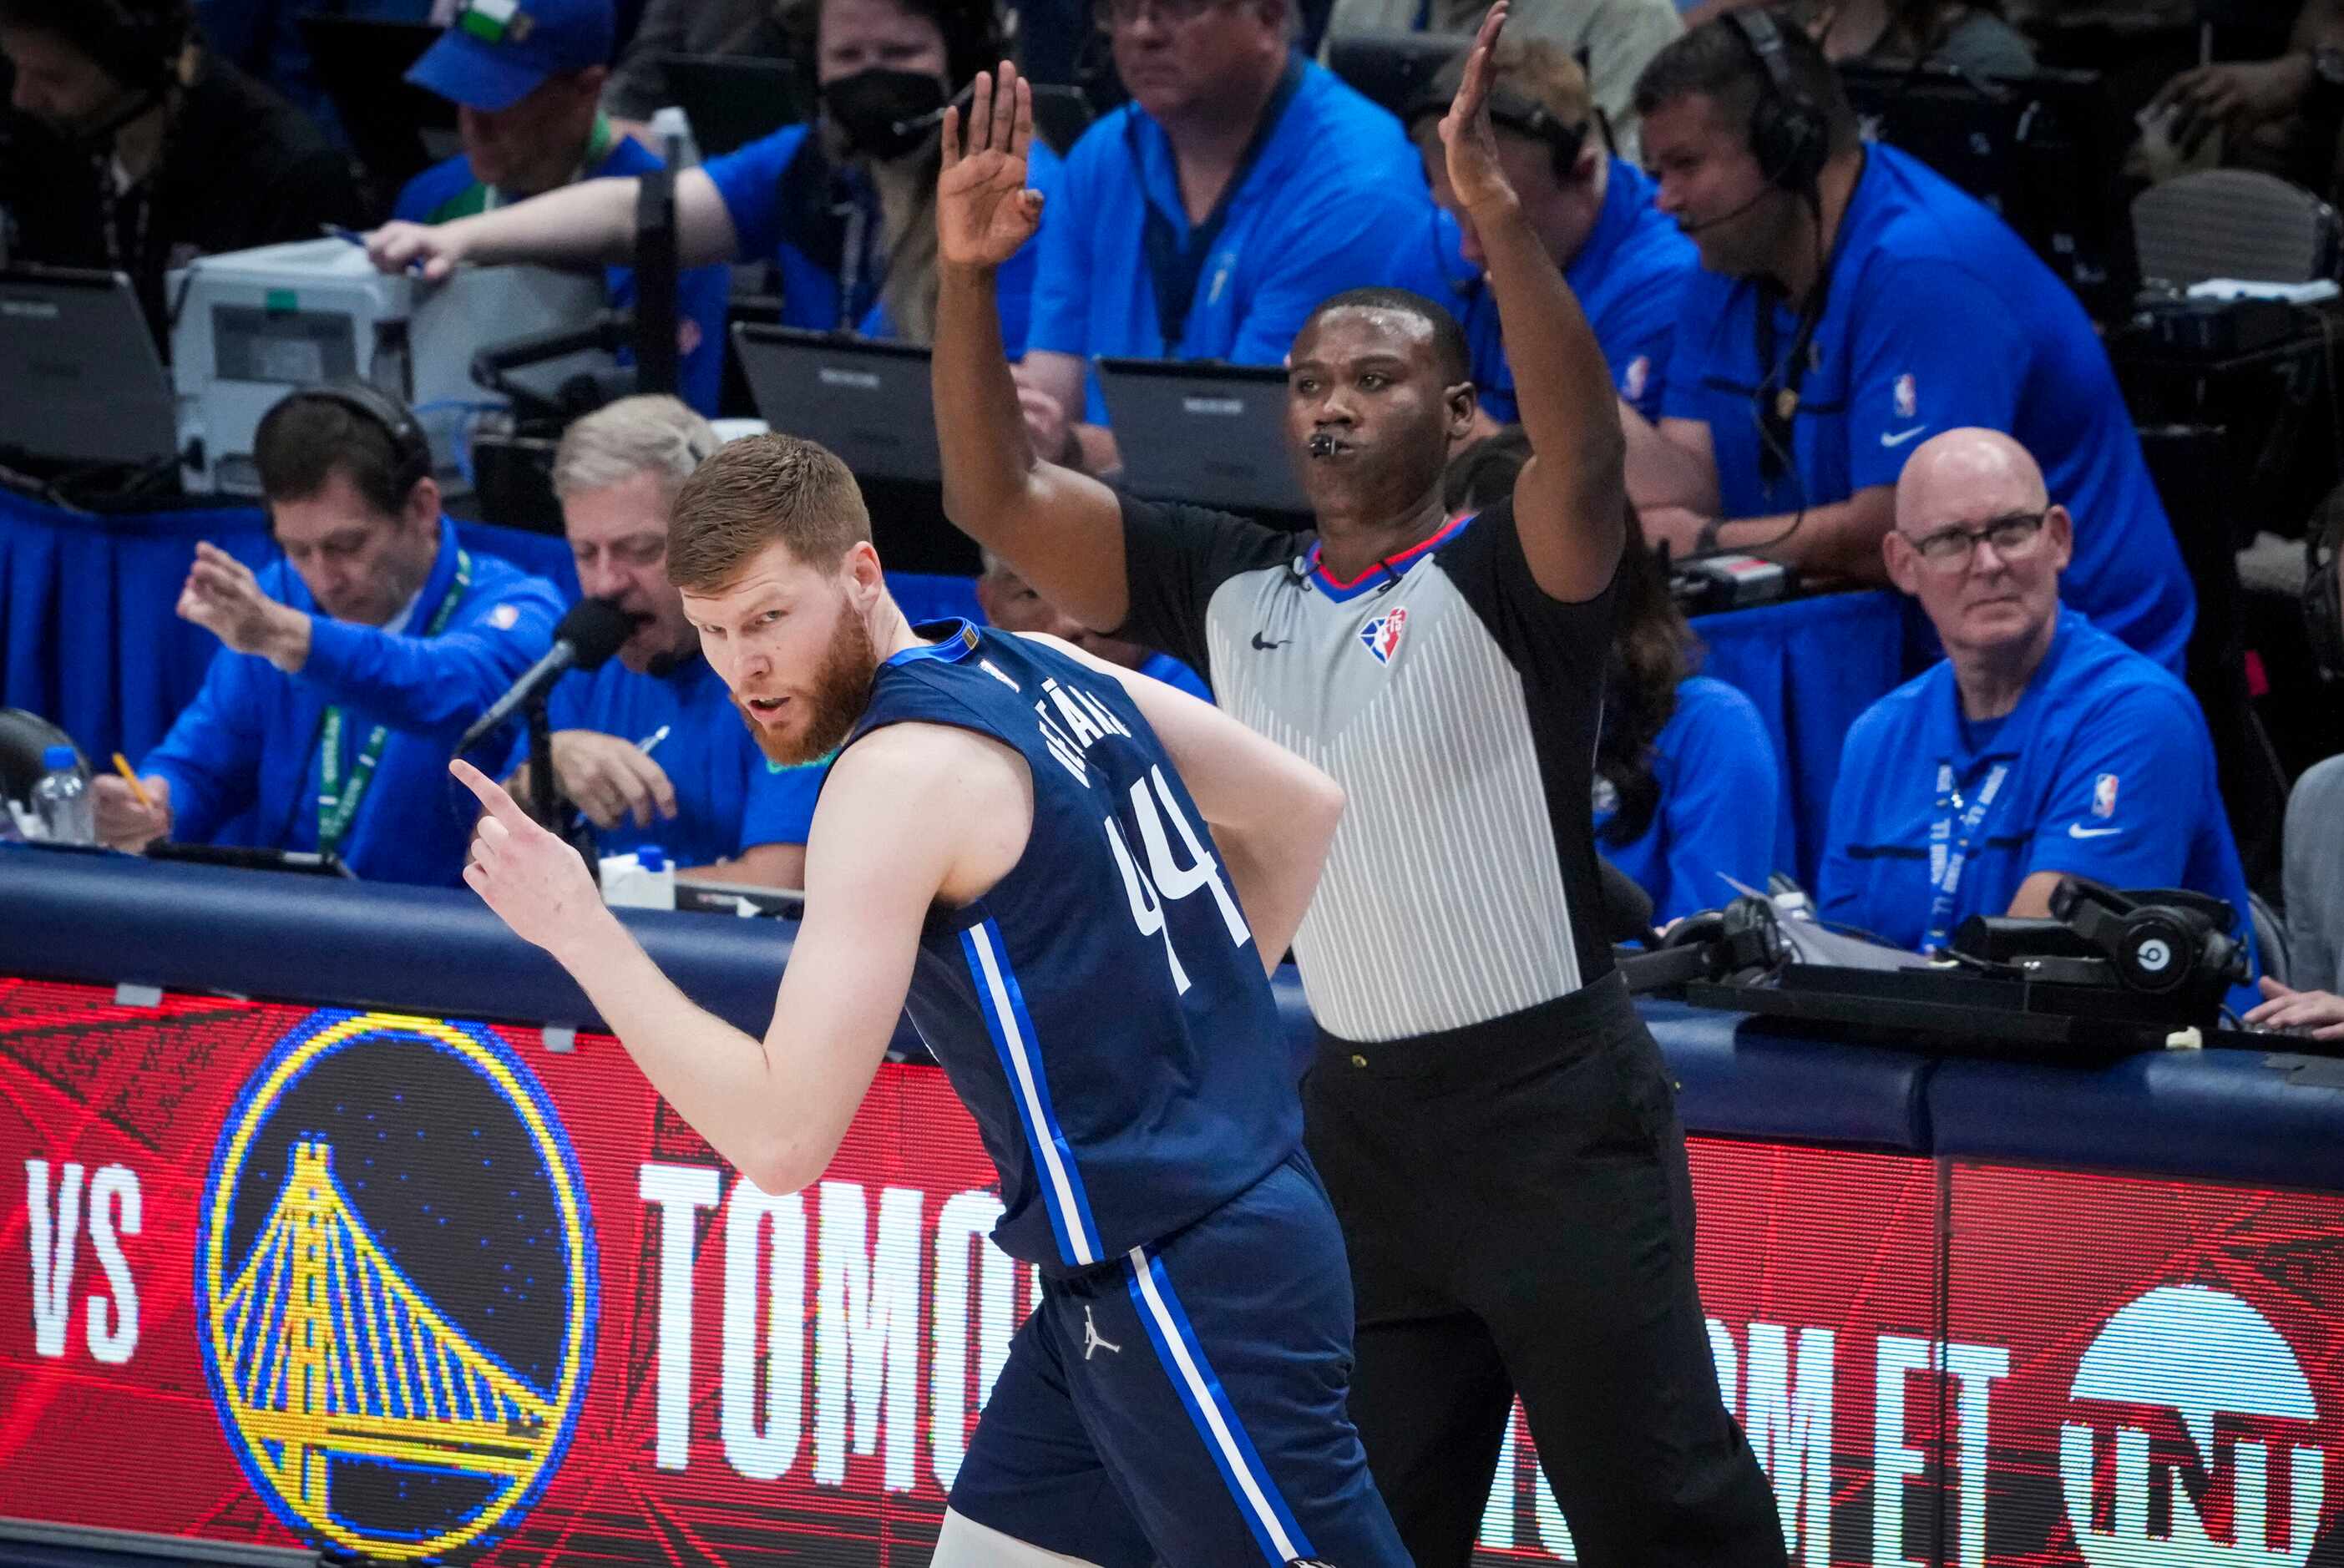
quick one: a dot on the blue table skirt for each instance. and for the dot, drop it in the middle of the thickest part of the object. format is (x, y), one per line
(91, 642)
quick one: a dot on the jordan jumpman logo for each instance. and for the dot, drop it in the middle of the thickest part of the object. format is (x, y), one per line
(1091, 1339)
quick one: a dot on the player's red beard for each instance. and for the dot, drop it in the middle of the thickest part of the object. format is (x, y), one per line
(835, 699)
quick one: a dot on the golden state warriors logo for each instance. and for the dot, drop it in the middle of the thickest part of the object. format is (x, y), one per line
(395, 1285)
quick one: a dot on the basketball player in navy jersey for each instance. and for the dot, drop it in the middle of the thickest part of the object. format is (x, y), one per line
(1493, 1120)
(1075, 880)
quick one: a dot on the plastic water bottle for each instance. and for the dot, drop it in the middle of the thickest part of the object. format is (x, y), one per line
(61, 800)
(644, 880)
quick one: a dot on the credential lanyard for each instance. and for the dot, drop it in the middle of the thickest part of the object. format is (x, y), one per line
(338, 801)
(1173, 268)
(1952, 838)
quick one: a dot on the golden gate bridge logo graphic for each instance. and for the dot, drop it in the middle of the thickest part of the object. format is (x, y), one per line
(367, 1412)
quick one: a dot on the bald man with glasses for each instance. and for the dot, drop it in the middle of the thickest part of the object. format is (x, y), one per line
(2039, 747)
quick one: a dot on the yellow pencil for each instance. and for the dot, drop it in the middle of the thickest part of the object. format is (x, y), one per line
(122, 767)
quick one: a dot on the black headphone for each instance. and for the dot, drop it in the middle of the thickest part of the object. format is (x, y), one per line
(1516, 112)
(410, 449)
(1745, 935)
(1789, 132)
(2323, 603)
(2160, 941)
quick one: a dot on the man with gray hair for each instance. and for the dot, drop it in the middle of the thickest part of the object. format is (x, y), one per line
(650, 746)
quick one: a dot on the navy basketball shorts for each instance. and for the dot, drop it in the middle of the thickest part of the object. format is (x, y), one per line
(1185, 1404)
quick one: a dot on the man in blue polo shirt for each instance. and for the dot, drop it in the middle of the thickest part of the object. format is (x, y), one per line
(350, 668)
(817, 202)
(2040, 747)
(526, 77)
(650, 746)
(1851, 303)
(1203, 220)
(1620, 255)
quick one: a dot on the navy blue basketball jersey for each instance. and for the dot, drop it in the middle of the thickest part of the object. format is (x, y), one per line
(1102, 1010)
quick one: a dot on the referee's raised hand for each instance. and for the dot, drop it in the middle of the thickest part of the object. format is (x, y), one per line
(985, 211)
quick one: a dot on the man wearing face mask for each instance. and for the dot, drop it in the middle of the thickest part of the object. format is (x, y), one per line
(840, 208)
(649, 746)
(527, 81)
(117, 129)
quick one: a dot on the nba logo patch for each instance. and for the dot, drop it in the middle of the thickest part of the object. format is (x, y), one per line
(1639, 376)
(504, 618)
(1382, 634)
(1908, 397)
(2104, 795)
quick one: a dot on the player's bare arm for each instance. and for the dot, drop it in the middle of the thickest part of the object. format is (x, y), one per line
(1570, 503)
(1273, 816)
(911, 814)
(1062, 529)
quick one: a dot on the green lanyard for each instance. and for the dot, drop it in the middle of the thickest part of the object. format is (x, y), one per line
(338, 806)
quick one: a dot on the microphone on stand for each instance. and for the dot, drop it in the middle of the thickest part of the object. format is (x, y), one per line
(586, 638)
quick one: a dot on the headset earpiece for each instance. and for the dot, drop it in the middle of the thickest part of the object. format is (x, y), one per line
(1789, 133)
(410, 448)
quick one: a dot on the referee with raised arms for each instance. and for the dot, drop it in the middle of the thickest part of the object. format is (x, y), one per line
(1490, 1115)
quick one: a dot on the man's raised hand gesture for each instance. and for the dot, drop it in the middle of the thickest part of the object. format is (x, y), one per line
(535, 882)
(983, 209)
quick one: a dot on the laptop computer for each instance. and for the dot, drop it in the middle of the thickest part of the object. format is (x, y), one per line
(85, 381)
(733, 100)
(867, 400)
(1207, 433)
(397, 128)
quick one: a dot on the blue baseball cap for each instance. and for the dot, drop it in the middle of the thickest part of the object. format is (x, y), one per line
(498, 52)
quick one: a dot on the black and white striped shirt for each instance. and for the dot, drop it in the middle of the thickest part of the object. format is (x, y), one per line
(1457, 705)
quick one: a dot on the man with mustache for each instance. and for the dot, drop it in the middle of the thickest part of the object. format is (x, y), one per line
(1075, 880)
(652, 747)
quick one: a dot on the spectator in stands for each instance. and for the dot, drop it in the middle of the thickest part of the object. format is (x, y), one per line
(1013, 604)
(2283, 114)
(637, 87)
(843, 209)
(1203, 220)
(709, 797)
(349, 669)
(1616, 38)
(1851, 302)
(526, 79)
(2314, 870)
(1686, 784)
(2039, 747)
(1967, 36)
(1620, 254)
(122, 135)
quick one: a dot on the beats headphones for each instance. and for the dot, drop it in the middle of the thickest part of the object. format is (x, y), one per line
(2160, 941)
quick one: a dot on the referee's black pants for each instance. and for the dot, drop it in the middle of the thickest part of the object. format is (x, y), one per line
(1518, 1214)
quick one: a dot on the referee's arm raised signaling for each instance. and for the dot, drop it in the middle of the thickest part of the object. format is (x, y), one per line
(1570, 503)
(1062, 529)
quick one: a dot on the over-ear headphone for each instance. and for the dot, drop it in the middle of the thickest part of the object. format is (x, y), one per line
(1516, 112)
(1745, 935)
(2160, 941)
(2323, 603)
(410, 449)
(1788, 129)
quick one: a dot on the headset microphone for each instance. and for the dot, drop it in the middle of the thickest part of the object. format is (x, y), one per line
(1729, 216)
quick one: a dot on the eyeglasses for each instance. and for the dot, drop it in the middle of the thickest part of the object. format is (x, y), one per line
(1115, 15)
(2014, 538)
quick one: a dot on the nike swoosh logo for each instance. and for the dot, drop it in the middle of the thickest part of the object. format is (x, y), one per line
(1267, 647)
(2077, 830)
(1901, 437)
